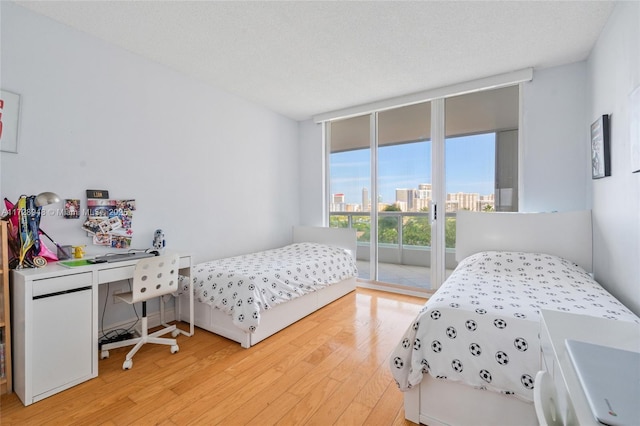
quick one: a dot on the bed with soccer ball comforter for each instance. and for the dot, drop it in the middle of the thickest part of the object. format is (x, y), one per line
(482, 326)
(245, 286)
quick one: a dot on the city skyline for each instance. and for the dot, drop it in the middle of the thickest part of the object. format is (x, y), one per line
(469, 165)
(416, 200)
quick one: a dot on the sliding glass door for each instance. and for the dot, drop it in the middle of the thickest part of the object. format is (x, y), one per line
(350, 183)
(481, 158)
(399, 176)
(404, 196)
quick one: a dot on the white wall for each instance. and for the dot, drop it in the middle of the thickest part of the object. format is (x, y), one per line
(614, 72)
(218, 174)
(311, 173)
(555, 156)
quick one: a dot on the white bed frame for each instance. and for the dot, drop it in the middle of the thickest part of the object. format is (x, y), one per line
(284, 314)
(566, 234)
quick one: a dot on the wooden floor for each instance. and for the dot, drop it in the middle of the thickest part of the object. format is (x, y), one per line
(332, 367)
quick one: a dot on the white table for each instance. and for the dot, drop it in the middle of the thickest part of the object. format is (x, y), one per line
(556, 327)
(55, 328)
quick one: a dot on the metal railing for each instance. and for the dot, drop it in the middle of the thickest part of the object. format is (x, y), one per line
(395, 227)
(404, 238)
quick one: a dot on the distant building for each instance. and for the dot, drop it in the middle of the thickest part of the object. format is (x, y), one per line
(417, 200)
(423, 197)
(337, 203)
(404, 199)
(366, 204)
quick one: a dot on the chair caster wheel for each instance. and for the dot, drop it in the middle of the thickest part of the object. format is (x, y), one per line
(175, 333)
(174, 349)
(127, 364)
(104, 354)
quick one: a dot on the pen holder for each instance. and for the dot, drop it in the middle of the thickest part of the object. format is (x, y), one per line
(64, 252)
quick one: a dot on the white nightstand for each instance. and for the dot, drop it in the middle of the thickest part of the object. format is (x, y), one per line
(570, 401)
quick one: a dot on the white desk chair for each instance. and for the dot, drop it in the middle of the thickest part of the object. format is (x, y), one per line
(544, 398)
(152, 277)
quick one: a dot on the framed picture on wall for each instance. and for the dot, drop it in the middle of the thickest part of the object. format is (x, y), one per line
(600, 148)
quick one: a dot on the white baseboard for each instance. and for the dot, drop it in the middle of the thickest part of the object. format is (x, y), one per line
(395, 288)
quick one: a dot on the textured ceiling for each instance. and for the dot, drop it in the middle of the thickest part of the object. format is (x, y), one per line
(303, 58)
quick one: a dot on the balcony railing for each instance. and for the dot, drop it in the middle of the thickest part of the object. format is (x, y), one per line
(404, 238)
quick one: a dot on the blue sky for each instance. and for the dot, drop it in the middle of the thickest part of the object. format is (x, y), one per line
(470, 167)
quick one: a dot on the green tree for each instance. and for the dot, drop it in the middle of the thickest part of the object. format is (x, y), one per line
(450, 232)
(388, 226)
(336, 221)
(417, 231)
(362, 224)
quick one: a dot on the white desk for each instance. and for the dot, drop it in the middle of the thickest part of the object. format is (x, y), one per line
(571, 402)
(55, 324)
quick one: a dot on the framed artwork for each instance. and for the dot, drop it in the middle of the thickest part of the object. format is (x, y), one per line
(72, 209)
(600, 148)
(634, 136)
(9, 116)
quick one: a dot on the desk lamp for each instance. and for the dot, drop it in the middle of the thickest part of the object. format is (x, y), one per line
(46, 198)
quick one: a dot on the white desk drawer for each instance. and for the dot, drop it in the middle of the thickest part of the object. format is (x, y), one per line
(115, 274)
(64, 283)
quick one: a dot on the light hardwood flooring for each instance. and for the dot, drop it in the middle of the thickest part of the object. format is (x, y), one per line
(331, 367)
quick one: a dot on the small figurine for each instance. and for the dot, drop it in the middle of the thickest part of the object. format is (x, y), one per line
(78, 251)
(158, 241)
